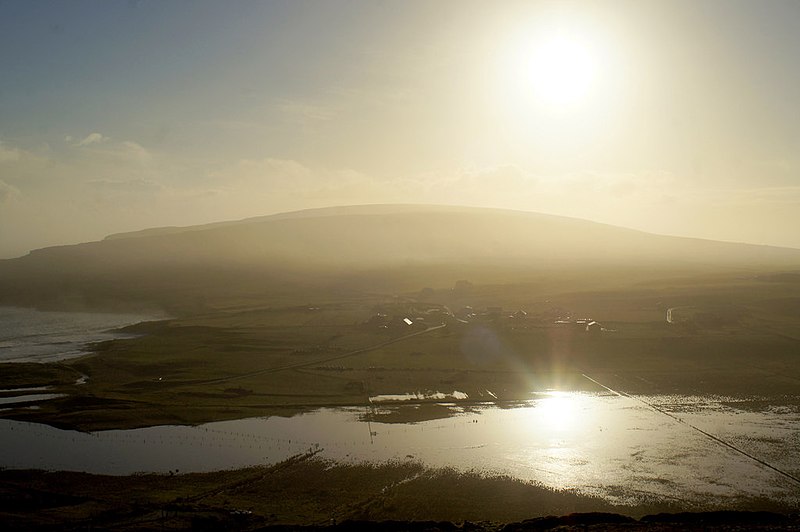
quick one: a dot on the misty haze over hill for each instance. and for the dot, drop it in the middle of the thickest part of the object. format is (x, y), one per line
(373, 247)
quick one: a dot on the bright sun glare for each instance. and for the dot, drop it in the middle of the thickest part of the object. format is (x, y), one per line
(555, 70)
(560, 70)
(558, 87)
(557, 411)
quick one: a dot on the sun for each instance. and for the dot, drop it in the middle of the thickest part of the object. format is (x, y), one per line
(557, 86)
(561, 70)
(554, 70)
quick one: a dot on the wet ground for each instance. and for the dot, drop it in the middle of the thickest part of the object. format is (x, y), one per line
(702, 450)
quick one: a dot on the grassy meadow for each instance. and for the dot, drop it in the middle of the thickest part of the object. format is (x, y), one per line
(734, 336)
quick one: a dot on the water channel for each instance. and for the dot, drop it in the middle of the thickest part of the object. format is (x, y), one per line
(625, 449)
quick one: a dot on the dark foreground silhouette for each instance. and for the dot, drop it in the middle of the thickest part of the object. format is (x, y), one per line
(304, 493)
(705, 521)
(720, 520)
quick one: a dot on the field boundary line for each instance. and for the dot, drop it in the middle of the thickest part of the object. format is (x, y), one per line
(698, 429)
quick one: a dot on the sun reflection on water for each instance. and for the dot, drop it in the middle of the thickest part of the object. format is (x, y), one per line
(555, 431)
(594, 443)
(557, 412)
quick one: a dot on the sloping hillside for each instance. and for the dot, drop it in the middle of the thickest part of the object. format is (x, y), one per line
(386, 247)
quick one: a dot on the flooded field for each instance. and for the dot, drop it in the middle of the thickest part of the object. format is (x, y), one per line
(625, 449)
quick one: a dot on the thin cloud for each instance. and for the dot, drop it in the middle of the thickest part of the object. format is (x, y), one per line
(9, 154)
(305, 113)
(136, 151)
(91, 138)
(128, 186)
(7, 192)
(268, 170)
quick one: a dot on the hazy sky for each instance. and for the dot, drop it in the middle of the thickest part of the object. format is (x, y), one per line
(673, 117)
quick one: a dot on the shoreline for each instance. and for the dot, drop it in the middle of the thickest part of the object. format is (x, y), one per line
(306, 491)
(49, 340)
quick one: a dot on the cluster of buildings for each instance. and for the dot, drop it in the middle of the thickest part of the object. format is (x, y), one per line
(587, 324)
(409, 317)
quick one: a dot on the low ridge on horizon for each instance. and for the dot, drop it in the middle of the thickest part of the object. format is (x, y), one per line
(392, 247)
(384, 208)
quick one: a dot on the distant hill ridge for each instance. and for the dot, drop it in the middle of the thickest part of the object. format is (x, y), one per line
(376, 247)
(372, 209)
(366, 234)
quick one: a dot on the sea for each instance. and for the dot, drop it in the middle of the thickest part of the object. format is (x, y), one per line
(28, 335)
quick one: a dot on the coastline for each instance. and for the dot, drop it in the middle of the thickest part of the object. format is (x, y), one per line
(32, 335)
